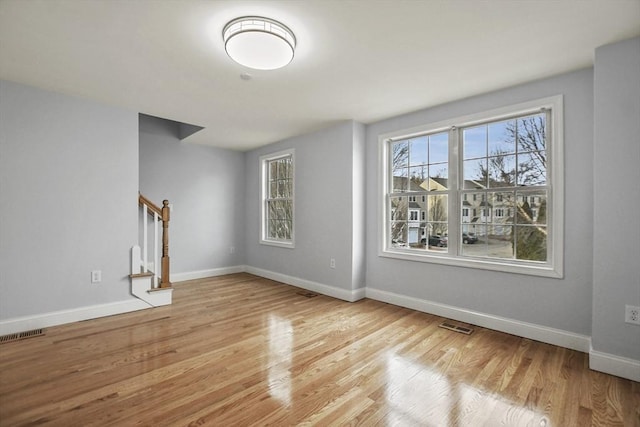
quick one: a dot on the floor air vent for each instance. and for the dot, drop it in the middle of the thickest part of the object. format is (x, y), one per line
(21, 336)
(307, 294)
(456, 328)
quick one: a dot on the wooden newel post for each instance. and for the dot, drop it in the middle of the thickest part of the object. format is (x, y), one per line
(165, 283)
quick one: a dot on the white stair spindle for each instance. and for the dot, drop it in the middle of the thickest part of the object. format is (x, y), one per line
(145, 265)
(156, 264)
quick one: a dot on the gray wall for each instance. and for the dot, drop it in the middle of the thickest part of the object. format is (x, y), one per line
(205, 186)
(616, 270)
(324, 212)
(68, 189)
(563, 304)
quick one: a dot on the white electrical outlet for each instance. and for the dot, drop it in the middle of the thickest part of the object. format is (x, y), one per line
(332, 263)
(96, 276)
(632, 314)
(232, 249)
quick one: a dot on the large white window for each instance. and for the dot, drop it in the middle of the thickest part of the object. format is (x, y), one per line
(277, 208)
(491, 187)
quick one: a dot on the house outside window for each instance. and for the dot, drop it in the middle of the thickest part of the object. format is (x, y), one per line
(505, 164)
(277, 207)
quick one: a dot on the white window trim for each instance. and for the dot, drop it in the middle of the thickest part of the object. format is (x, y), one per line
(264, 191)
(554, 267)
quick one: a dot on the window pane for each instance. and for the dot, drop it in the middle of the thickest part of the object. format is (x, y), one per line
(272, 227)
(531, 207)
(399, 208)
(501, 138)
(271, 209)
(500, 241)
(502, 171)
(503, 207)
(398, 234)
(273, 170)
(531, 242)
(475, 142)
(466, 211)
(439, 177)
(273, 189)
(478, 244)
(288, 190)
(414, 231)
(475, 173)
(288, 168)
(437, 237)
(287, 210)
(418, 151)
(490, 241)
(418, 179)
(478, 207)
(282, 188)
(278, 229)
(532, 168)
(439, 148)
(438, 208)
(400, 180)
(531, 133)
(287, 228)
(281, 170)
(400, 155)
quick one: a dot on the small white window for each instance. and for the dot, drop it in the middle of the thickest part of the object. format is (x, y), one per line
(277, 176)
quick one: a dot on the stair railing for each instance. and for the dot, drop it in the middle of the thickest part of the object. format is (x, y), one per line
(158, 214)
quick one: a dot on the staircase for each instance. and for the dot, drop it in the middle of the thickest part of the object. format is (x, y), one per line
(153, 288)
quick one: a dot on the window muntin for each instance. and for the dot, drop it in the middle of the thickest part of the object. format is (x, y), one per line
(496, 180)
(277, 199)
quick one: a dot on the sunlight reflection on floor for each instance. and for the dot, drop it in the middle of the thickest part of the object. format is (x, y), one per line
(420, 395)
(280, 348)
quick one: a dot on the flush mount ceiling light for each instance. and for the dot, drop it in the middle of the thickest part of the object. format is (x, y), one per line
(259, 43)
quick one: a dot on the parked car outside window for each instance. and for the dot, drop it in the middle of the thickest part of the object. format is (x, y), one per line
(469, 238)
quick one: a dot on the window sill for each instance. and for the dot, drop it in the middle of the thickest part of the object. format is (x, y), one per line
(277, 243)
(543, 270)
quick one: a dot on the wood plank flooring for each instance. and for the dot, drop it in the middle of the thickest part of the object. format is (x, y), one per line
(240, 350)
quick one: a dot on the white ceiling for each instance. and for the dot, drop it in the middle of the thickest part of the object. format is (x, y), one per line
(361, 60)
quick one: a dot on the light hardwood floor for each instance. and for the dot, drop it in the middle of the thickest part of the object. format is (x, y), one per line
(241, 350)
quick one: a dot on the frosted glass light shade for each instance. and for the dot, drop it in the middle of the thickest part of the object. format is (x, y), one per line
(259, 43)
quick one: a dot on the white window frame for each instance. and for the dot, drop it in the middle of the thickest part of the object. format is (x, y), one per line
(553, 267)
(264, 192)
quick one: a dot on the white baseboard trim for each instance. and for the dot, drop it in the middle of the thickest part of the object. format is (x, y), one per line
(54, 318)
(515, 327)
(614, 365)
(309, 285)
(201, 274)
